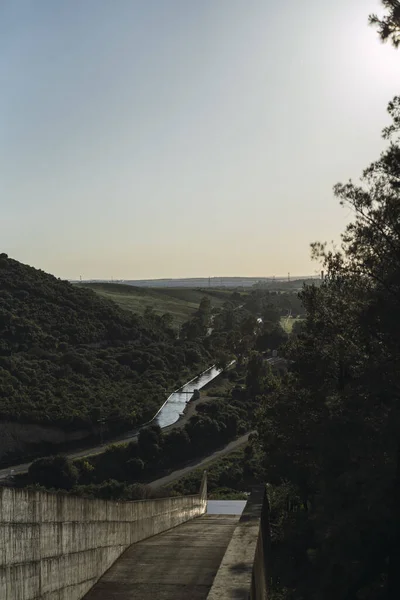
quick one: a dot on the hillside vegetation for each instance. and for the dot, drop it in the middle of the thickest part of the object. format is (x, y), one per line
(228, 478)
(180, 303)
(157, 452)
(70, 357)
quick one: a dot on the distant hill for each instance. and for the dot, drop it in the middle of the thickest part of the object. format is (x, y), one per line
(70, 357)
(181, 303)
(284, 285)
(200, 282)
(213, 283)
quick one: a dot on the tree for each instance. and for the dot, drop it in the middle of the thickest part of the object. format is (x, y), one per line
(150, 442)
(194, 329)
(113, 490)
(111, 464)
(203, 432)
(56, 472)
(135, 468)
(227, 319)
(297, 327)
(167, 320)
(204, 311)
(389, 25)
(330, 430)
(236, 297)
(258, 375)
(149, 313)
(176, 446)
(222, 360)
(248, 326)
(271, 338)
(270, 314)
(86, 470)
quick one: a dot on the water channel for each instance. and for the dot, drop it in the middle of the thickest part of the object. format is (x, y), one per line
(168, 414)
(171, 410)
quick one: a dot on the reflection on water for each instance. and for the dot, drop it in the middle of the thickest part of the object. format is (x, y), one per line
(175, 404)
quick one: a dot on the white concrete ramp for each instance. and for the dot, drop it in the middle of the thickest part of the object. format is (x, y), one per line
(179, 564)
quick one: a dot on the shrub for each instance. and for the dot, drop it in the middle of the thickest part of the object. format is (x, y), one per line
(54, 472)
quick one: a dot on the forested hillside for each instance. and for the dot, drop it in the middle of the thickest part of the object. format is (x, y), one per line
(69, 357)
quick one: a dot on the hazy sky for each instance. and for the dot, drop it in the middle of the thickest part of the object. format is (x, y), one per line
(168, 138)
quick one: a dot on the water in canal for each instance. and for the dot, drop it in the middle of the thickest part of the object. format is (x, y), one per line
(175, 404)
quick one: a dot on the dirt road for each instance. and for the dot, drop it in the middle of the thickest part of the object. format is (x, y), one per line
(188, 412)
(201, 462)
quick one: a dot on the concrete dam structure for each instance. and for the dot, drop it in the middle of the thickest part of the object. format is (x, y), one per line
(61, 547)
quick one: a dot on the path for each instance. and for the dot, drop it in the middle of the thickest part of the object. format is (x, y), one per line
(231, 447)
(189, 412)
(179, 564)
(124, 439)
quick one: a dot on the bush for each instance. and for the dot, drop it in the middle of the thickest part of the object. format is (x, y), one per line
(113, 490)
(135, 468)
(150, 442)
(56, 472)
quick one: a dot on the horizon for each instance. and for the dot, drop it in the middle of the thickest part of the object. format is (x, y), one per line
(293, 277)
(194, 137)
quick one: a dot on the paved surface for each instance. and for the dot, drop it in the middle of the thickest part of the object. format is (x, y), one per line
(179, 564)
(231, 447)
(124, 439)
(234, 577)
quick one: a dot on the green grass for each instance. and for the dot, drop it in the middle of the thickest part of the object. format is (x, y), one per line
(224, 476)
(181, 303)
(230, 477)
(287, 323)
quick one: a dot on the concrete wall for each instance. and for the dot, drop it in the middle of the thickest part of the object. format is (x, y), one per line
(56, 547)
(243, 572)
(261, 577)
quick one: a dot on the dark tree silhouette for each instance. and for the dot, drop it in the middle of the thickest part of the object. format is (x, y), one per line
(388, 25)
(331, 428)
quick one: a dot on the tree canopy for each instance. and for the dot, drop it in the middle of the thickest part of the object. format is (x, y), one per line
(71, 358)
(330, 430)
(388, 25)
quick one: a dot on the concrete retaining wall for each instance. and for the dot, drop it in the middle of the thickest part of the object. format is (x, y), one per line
(56, 547)
(243, 572)
(261, 577)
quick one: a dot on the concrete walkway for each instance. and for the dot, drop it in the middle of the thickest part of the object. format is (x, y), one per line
(179, 564)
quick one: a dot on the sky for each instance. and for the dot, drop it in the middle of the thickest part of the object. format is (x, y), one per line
(179, 138)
